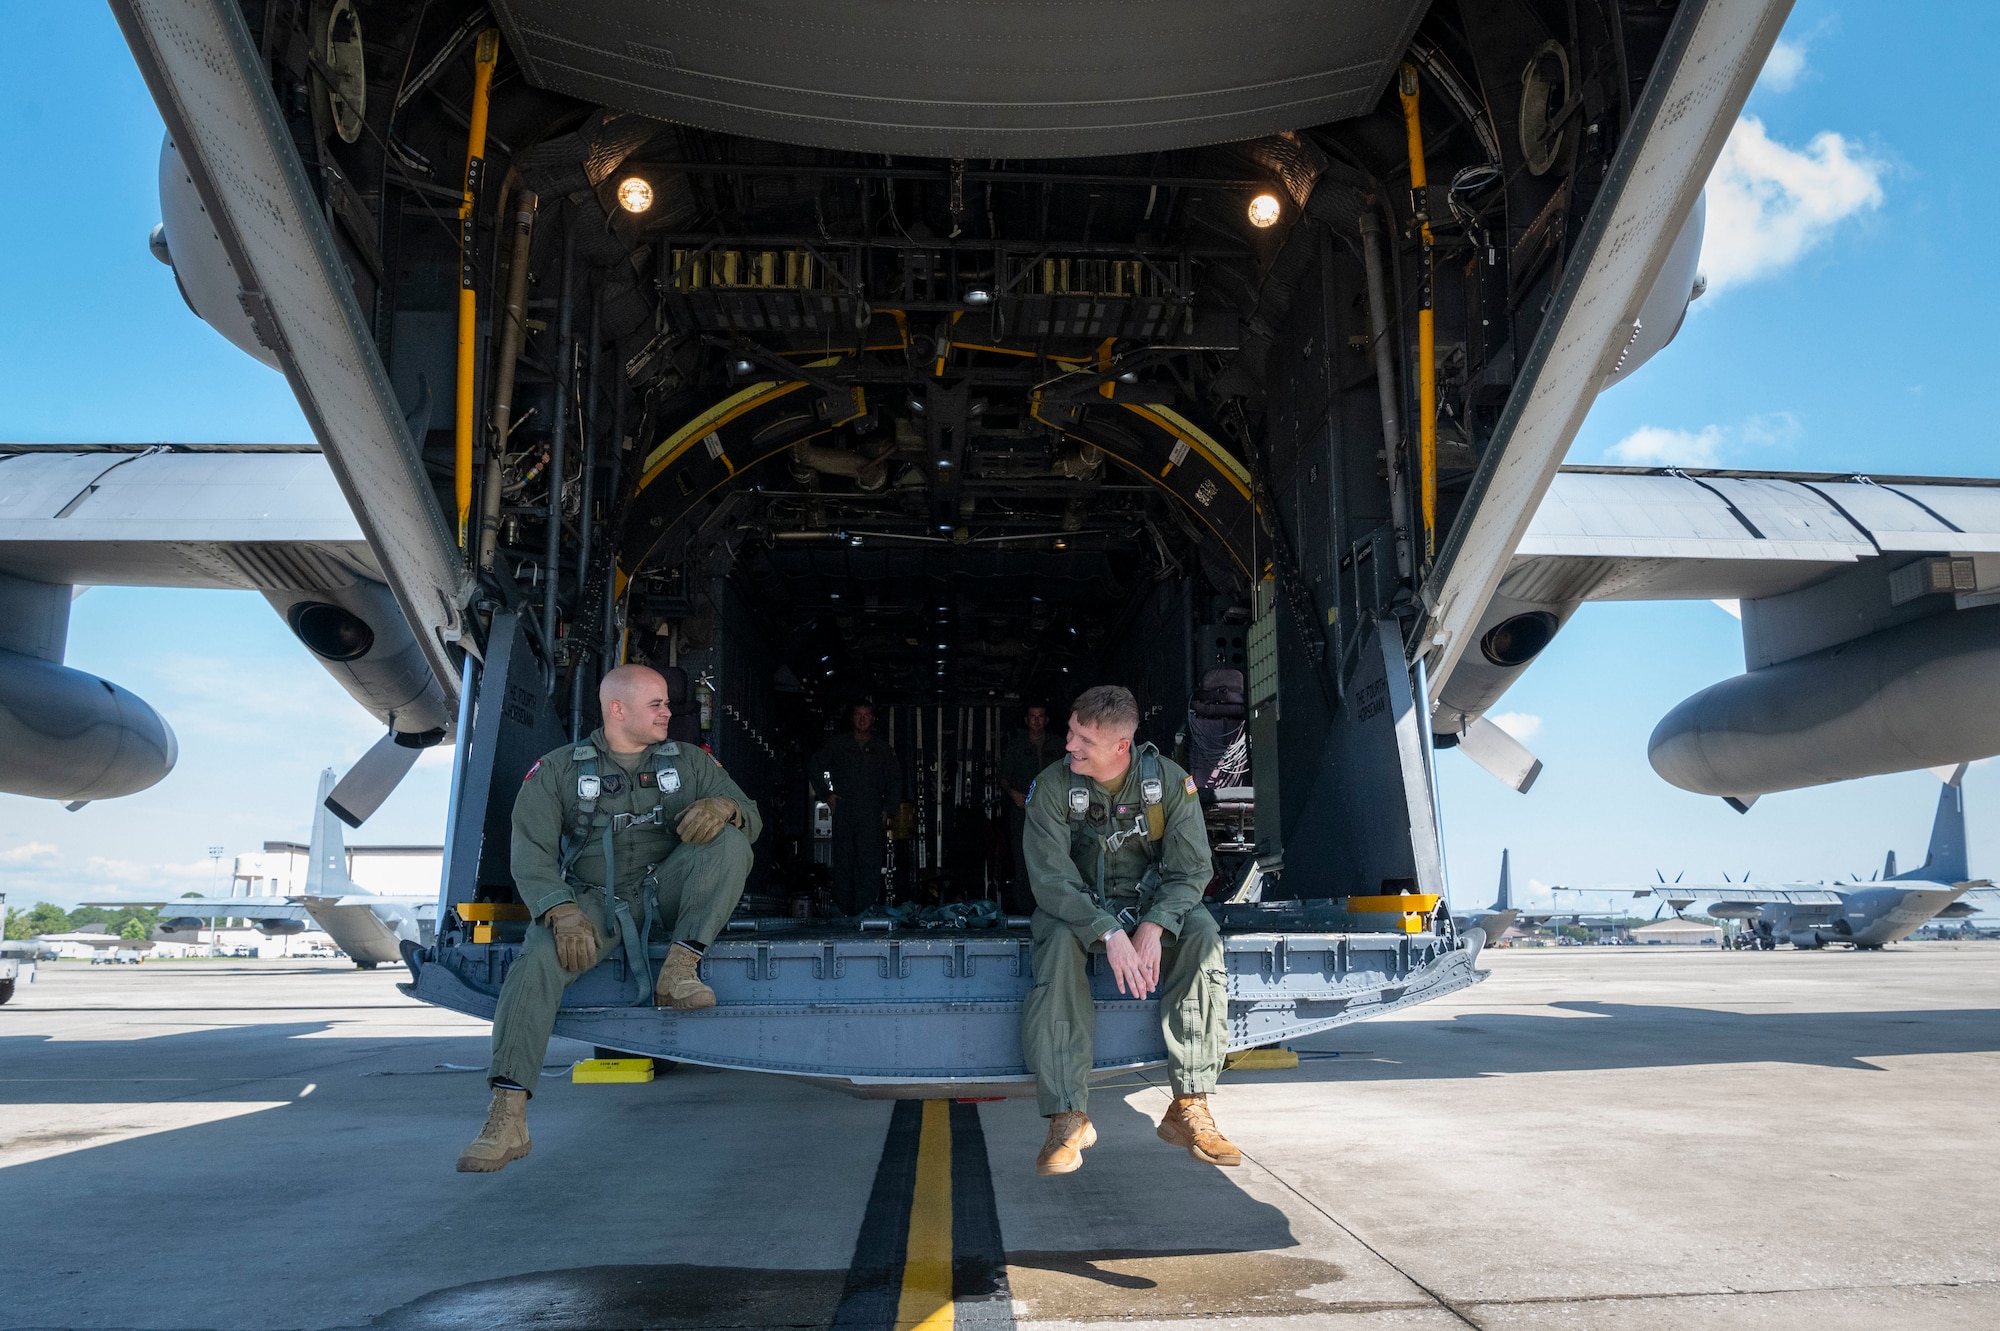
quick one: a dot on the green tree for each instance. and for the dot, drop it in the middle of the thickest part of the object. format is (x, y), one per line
(134, 930)
(41, 918)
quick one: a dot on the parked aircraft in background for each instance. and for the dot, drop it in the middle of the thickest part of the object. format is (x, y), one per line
(1495, 920)
(1864, 916)
(367, 926)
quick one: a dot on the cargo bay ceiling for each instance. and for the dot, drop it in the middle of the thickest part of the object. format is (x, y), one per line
(956, 328)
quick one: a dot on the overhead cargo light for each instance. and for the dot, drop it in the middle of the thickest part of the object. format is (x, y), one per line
(1264, 210)
(636, 195)
(978, 296)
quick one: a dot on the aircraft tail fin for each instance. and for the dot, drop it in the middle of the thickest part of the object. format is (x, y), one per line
(1505, 900)
(326, 869)
(1946, 860)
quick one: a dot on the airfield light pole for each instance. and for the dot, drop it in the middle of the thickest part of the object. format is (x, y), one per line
(215, 923)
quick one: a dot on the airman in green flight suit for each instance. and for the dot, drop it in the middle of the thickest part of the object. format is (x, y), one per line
(1118, 860)
(672, 832)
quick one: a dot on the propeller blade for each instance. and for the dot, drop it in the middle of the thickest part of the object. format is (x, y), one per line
(371, 780)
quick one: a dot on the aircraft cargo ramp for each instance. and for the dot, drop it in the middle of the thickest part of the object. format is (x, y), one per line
(888, 1015)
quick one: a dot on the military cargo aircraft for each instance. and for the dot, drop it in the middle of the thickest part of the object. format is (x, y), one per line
(369, 927)
(1864, 917)
(1495, 920)
(963, 357)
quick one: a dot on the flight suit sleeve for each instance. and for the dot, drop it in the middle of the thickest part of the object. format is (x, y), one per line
(715, 782)
(535, 857)
(1059, 889)
(1186, 867)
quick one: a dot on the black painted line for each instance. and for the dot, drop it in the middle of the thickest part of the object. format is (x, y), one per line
(875, 1276)
(980, 1294)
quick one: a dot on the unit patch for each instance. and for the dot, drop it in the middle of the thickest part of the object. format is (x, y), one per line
(614, 782)
(670, 779)
(532, 770)
(646, 780)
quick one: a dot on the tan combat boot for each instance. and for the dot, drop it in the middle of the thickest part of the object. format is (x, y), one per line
(679, 985)
(1188, 1123)
(504, 1138)
(1069, 1135)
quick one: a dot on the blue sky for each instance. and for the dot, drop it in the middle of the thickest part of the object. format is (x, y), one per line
(1847, 328)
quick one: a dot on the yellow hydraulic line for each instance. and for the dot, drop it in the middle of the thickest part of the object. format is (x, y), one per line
(1427, 415)
(485, 55)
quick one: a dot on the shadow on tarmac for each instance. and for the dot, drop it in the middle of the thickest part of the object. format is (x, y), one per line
(1619, 1035)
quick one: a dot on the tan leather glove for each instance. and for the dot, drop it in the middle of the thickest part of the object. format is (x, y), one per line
(703, 819)
(576, 937)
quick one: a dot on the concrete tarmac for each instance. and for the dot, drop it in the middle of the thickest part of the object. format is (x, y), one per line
(1617, 1138)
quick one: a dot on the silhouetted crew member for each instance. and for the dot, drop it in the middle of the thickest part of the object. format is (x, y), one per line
(1027, 753)
(669, 830)
(857, 774)
(1118, 858)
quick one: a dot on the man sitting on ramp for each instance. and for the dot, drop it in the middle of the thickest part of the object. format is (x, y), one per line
(1118, 860)
(611, 835)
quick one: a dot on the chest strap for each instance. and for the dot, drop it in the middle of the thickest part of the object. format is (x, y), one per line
(585, 819)
(1152, 823)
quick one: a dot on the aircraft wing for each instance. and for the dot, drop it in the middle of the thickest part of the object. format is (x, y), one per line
(262, 517)
(217, 908)
(1662, 534)
(1799, 894)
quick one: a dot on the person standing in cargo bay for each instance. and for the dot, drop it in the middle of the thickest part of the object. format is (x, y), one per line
(857, 774)
(1118, 860)
(612, 835)
(1028, 751)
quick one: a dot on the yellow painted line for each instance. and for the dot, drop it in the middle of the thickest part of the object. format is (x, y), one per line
(925, 1304)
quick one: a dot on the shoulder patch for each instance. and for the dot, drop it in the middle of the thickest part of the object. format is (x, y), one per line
(1187, 784)
(1031, 789)
(532, 770)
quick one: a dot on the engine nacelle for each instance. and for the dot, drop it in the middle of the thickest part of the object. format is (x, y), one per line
(1918, 695)
(181, 924)
(361, 638)
(187, 242)
(1733, 910)
(280, 928)
(65, 735)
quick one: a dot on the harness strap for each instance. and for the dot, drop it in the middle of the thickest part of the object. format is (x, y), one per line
(626, 932)
(1153, 824)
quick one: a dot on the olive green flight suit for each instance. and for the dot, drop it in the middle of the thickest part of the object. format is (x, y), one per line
(694, 888)
(1071, 920)
(1020, 762)
(869, 781)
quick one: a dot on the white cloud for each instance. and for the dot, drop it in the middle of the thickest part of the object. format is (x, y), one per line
(1660, 446)
(1523, 726)
(33, 850)
(131, 871)
(1768, 204)
(1653, 446)
(1783, 67)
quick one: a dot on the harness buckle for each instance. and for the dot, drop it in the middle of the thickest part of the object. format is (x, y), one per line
(1117, 839)
(656, 818)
